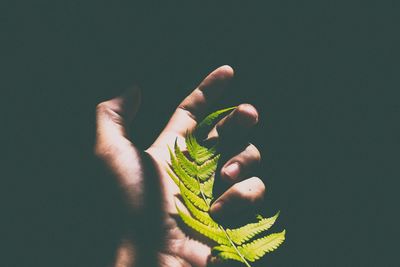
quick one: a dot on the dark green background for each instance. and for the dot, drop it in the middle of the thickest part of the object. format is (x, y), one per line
(323, 74)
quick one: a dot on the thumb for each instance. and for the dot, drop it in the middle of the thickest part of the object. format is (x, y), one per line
(127, 104)
(114, 116)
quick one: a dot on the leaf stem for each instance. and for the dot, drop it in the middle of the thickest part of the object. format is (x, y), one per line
(222, 228)
(234, 246)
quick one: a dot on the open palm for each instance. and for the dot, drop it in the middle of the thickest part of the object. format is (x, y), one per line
(154, 235)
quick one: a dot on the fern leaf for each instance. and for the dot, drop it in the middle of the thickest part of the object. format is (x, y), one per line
(226, 253)
(208, 168)
(207, 187)
(245, 233)
(195, 176)
(173, 177)
(199, 153)
(194, 199)
(258, 248)
(205, 125)
(203, 172)
(212, 233)
(189, 166)
(188, 181)
(254, 250)
(202, 216)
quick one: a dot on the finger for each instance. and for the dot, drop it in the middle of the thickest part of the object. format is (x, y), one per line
(234, 127)
(194, 107)
(242, 165)
(114, 116)
(238, 198)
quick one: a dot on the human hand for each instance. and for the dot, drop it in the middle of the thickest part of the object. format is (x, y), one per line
(153, 234)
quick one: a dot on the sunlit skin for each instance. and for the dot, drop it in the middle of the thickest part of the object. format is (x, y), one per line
(154, 206)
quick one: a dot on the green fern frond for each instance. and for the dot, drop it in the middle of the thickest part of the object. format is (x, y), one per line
(225, 255)
(190, 182)
(245, 233)
(189, 166)
(194, 199)
(199, 202)
(174, 177)
(203, 172)
(194, 175)
(205, 126)
(199, 153)
(256, 249)
(207, 187)
(212, 233)
(208, 168)
(200, 215)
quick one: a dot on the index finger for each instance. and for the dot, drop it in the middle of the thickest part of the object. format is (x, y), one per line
(194, 107)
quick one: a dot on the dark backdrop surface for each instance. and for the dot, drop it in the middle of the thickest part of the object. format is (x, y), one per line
(323, 74)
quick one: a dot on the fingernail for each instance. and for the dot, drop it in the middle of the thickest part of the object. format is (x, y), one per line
(232, 170)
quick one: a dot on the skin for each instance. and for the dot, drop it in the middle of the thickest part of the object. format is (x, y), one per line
(150, 195)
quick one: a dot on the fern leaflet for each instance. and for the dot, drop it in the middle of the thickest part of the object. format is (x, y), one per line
(194, 175)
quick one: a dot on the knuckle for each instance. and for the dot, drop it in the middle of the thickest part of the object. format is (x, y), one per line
(240, 191)
(259, 186)
(254, 153)
(102, 107)
(184, 108)
(253, 190)
(105, 110)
